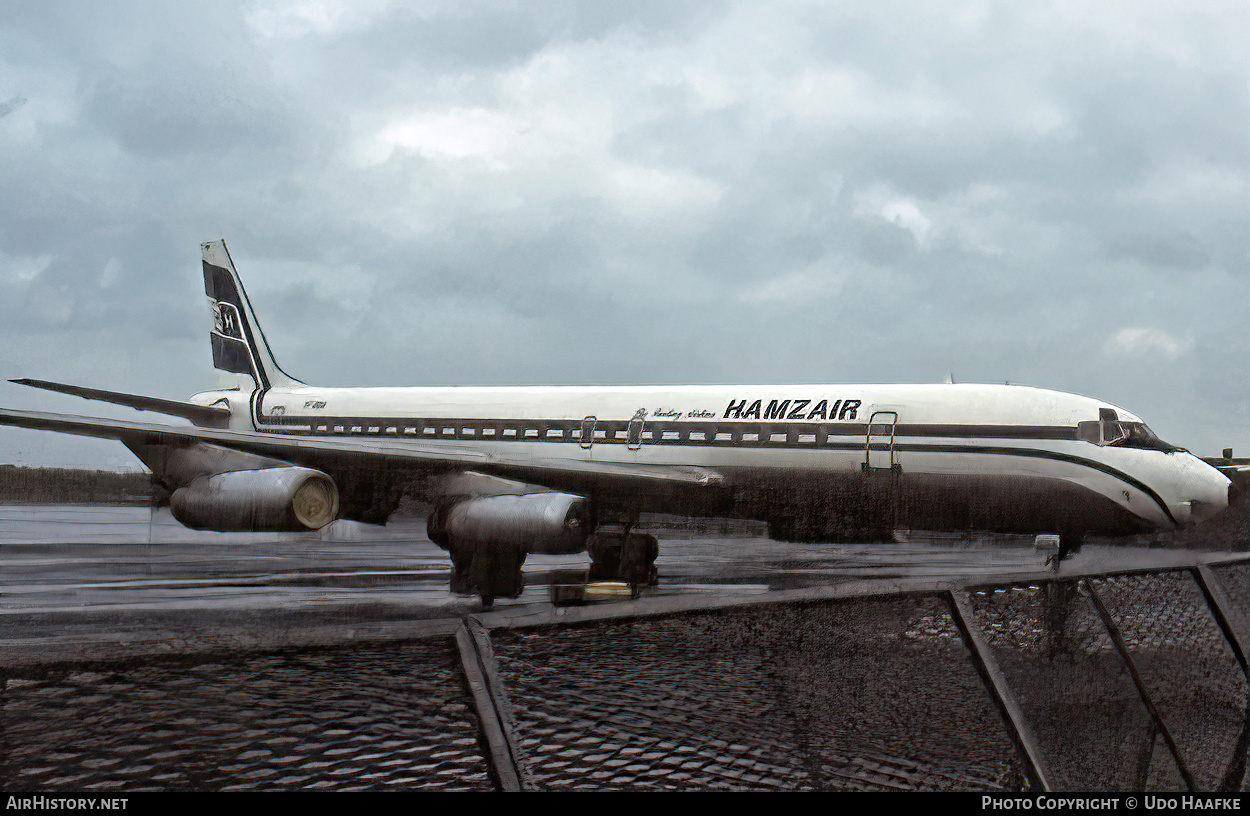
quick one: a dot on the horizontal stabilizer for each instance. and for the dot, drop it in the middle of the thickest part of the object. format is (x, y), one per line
(199, 414)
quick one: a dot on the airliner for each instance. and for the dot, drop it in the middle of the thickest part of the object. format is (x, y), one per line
(509, 471)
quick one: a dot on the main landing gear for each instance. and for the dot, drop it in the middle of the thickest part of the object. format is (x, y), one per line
(492, 573)
(625, 557)
(495, 572)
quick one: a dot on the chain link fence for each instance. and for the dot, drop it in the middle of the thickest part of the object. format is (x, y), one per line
(1109, 682)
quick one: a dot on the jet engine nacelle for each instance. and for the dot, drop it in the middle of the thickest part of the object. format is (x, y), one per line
(268, 500)
(551, 523)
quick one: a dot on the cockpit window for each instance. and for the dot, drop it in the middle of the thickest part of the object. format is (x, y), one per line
(1137, 435)
(1114, 433)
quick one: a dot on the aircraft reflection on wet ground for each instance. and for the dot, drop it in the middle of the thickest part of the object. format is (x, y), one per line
(60, 558)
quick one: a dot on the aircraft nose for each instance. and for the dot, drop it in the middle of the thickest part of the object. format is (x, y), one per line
(1206, 492)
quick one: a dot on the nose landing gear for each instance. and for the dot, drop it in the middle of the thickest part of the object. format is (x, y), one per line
(1059, 547)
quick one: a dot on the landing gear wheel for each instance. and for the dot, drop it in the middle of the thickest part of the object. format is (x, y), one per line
(498, 575)
(461, 570)
(490, 573)
(630, 559)
(1069, 544)
(638, 555)
(605, 558)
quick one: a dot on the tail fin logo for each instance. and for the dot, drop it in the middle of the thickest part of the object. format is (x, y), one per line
(226, 320)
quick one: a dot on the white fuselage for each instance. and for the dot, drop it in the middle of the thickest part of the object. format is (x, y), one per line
(949, 446)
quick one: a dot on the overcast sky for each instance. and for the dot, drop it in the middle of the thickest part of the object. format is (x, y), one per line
(644, 192)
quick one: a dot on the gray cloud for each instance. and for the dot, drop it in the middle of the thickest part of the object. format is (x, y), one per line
(13, 104)
(1048, 193)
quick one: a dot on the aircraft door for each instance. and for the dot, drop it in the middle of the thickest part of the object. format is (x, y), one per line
(634, 436)
(879, 450)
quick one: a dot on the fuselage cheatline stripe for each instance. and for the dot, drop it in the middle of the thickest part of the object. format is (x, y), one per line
(764, 432)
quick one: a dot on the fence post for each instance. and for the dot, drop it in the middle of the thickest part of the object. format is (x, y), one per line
(477, 656)
(1217, 602)
(982, 656)
(1121, 646)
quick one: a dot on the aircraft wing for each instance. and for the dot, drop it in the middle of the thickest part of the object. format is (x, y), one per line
(315, 452)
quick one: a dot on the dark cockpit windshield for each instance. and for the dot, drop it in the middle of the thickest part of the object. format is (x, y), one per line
(1115, 433)
(1137, 435)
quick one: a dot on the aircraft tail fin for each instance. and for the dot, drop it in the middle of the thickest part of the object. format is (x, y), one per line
(239, 344)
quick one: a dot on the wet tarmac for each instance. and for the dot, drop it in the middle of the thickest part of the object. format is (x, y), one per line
(136, 654)
(75, 558)
(89, 582)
